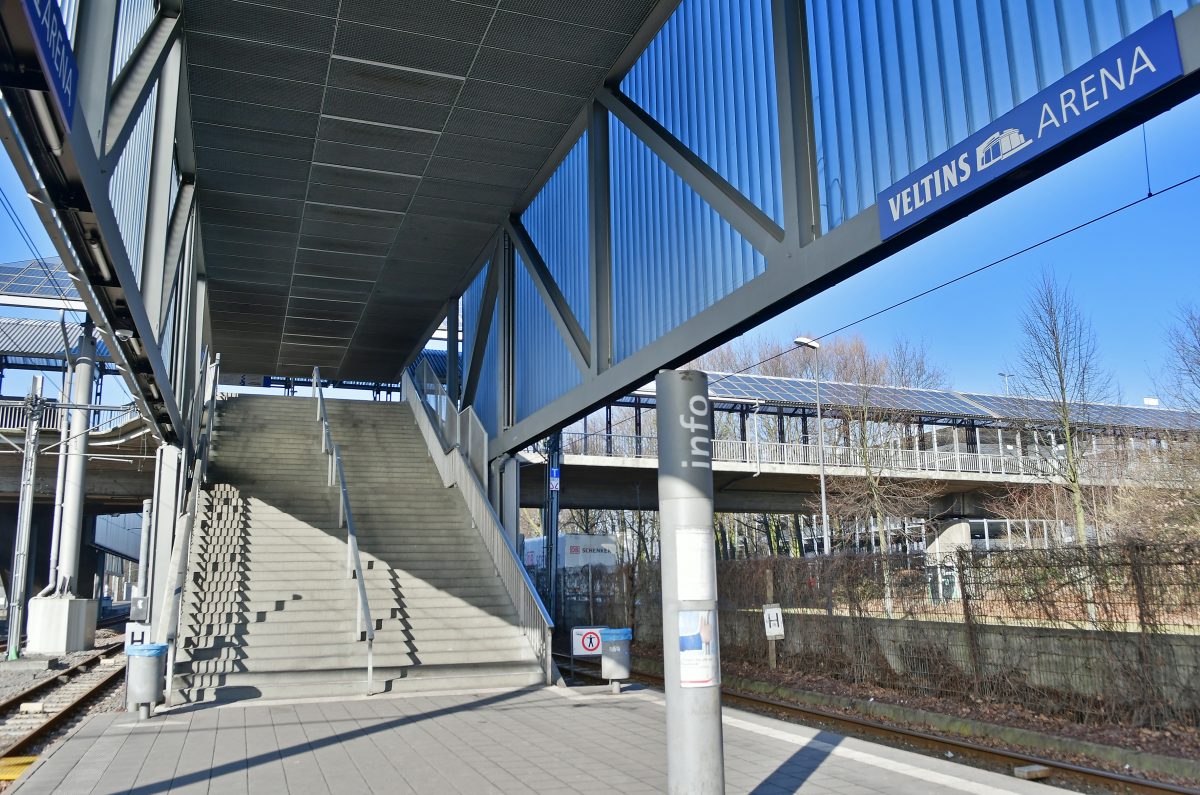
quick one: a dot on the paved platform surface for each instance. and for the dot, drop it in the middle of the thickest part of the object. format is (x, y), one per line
(545, 741)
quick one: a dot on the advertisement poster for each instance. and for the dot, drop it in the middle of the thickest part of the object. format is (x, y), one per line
(699, 665)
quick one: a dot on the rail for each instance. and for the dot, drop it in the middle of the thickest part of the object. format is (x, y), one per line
(889, 459)
(460, 464)
(336, 472)
(104, 418)
(204, 409)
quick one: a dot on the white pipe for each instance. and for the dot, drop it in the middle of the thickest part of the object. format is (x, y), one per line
(101, 260)
(46, 122)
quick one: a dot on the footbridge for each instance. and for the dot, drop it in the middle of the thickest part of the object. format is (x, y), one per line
(768, 454)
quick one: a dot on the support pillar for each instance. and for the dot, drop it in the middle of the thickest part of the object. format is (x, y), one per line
(20, 562)
(691, 645)
(168, 476)
(452, 343)
(74, 485)
(510, 503)
(550, 521)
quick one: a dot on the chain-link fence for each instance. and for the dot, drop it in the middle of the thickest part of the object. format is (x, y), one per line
(1097, 635)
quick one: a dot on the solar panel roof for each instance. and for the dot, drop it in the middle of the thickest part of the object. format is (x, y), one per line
(44, 278)
(740, 388)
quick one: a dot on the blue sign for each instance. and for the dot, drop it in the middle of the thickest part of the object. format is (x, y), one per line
(555, 479)
(1136, 66)
(55, 53)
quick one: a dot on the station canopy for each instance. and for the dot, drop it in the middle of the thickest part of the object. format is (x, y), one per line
(355, 158)
(41, 282)
(732, 392)
(32, 343)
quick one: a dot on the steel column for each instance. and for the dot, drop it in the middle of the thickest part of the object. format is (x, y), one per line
(34, 407)
(550, 521)
(452, 347)
(599, 238)
(74, 485)
(797, 142)
(691, 646)
(158, 275)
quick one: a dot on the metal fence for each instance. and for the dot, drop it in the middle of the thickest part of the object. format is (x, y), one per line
(881, 459)
(1096, 635)
(427, 397)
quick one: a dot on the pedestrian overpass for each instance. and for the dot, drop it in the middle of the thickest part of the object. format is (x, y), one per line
(587, 192)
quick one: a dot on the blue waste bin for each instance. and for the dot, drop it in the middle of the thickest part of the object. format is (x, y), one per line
(145, 671)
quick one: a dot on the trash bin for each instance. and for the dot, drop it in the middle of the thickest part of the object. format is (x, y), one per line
(144, 676)
(614, 655)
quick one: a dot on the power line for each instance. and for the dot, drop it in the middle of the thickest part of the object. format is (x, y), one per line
(955, 280)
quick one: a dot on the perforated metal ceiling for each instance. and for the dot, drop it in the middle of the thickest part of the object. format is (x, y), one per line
(355, 156)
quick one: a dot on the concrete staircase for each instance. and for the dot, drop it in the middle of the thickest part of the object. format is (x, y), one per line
(268, 608)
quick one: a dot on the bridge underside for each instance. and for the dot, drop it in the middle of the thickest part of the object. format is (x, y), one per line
(594, 482)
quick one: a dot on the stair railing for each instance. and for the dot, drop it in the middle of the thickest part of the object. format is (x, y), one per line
(459, 465)
(336, 477)
(195, 464)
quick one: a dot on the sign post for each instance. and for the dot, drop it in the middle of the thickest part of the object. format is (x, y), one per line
(691, 647)
(773, 622)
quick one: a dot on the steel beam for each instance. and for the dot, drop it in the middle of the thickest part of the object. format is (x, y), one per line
(483, 328)
(71, 190)
(796, 273)
(132, 86)
(742, 214)
(556, 303)
(452, 347)
(599, 237)
(797, 143)
(158, 275)
(176, 237)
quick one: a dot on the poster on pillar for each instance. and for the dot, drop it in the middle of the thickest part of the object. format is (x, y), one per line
(696, 564)
(699, 664)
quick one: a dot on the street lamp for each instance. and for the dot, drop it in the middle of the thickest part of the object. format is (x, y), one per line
(808, 342)
(1006, 376)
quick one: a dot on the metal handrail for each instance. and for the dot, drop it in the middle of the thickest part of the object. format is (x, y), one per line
(336, 474)
(456, 468)
(168, 630)
(892, 459)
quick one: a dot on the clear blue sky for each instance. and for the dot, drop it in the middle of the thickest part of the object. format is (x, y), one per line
(1130, 272)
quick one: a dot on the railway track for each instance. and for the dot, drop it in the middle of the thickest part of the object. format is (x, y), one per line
(62, 699)
(1065, 773)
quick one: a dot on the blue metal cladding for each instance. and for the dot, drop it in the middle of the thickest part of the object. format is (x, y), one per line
(486, 393)
(709, 78)
(897, 82)
(673, 256)
(557, 222)
(127, 189)
(544, 368)
(133, 20)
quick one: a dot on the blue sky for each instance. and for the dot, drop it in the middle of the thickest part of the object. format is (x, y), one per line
(1130, 272)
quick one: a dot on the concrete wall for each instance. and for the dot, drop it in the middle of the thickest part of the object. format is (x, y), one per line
(1047, 669)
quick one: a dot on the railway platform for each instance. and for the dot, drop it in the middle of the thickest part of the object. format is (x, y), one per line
(542, 740)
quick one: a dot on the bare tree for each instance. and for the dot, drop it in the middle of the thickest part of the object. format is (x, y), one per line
(875, 434)
(1059, 363)
(1183, 360)
(908, 364)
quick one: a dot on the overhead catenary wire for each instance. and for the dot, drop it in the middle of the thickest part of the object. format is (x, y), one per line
(942, 285)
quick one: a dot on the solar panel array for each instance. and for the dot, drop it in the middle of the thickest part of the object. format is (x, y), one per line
(44, 278)
(937, 402)
(803, 391)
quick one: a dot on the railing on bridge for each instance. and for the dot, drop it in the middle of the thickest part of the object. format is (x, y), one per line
(104, 418)
(890, 459)
(461, 438)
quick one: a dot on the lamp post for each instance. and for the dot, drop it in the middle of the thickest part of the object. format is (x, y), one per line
(1006, 376)
(807, 342)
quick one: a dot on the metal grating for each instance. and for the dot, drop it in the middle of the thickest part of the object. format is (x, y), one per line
(364, 151)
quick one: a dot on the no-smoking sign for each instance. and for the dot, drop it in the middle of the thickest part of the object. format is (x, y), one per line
(585, 641)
